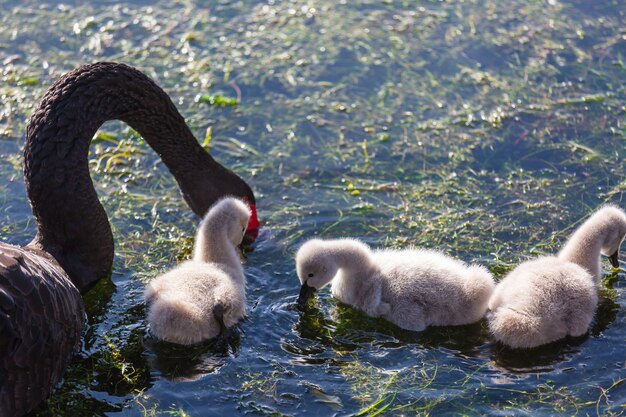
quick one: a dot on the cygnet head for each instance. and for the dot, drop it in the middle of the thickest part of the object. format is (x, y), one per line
(315, 266)
(615, 218)
(232, 214)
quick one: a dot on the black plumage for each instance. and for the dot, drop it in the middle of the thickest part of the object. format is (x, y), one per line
(41, 309)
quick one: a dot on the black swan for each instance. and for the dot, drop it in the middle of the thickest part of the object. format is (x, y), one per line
(41, 309)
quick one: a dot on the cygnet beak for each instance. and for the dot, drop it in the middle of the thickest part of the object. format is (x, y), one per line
(305, 294)
(614, 259)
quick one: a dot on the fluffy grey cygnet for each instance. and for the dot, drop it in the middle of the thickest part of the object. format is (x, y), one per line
(549, 298)
(202, 297)
(412, 288)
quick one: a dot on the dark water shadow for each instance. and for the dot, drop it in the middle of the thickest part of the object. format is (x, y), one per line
(606, 314)
(188, 363)
(317, 338)
(348, 329)
(98, 298)
(544, 358)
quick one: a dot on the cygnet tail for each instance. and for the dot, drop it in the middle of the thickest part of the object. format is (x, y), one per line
(479, 285)
(517, 329)
(177, 321)
(477, 289)
(218, 313)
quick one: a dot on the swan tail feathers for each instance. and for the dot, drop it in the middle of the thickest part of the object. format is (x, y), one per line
(517, 329)
(480, 284)
(218, 314)
(177, 321)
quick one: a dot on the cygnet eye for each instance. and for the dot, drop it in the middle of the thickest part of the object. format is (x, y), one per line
(311, 275)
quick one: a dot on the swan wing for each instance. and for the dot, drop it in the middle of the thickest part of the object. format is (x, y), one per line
(41, 317)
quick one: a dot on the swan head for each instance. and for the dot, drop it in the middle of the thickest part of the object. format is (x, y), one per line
(315, 267)
(616, 231)
(203, 190)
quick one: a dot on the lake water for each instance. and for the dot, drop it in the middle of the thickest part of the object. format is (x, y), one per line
(482, 128)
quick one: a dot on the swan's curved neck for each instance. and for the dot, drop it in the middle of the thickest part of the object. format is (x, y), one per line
(585, 246)
(212, 244)
(71, 223)
(355, 269)
(353, 258)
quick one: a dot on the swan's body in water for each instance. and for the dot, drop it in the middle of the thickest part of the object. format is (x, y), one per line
(41, 309)
(549, 298)
(412, 288)
(202, 297)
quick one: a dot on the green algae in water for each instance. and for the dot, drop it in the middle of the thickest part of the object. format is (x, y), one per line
(486, 129)
(218, 101)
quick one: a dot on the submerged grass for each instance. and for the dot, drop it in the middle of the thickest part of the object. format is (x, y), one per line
(486, 129)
